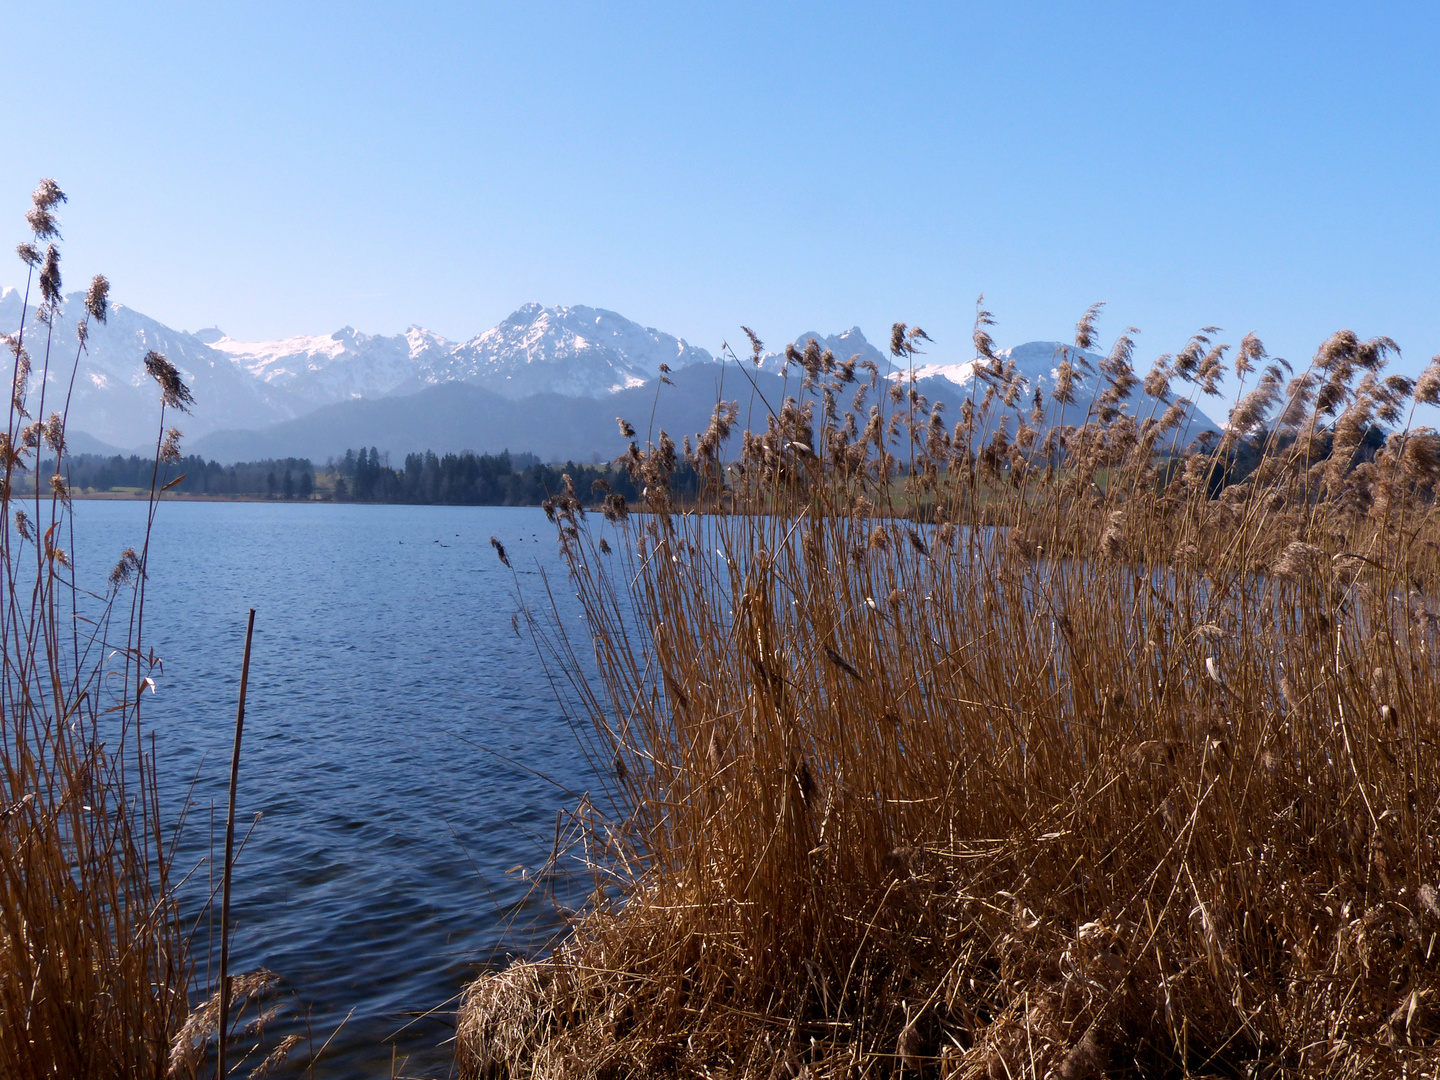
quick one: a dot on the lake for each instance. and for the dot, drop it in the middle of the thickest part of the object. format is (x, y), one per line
(388, 687)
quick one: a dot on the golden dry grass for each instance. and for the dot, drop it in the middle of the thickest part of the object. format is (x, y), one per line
(95, 965)
(94, 971)
(1124, 764)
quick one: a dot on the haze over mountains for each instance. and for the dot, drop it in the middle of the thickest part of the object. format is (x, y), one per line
(546, 380)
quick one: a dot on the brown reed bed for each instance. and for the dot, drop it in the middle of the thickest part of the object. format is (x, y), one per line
(93, 966)
(1124, 764)
(96, 970)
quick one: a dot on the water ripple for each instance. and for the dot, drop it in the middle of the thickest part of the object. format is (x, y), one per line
(384, 665)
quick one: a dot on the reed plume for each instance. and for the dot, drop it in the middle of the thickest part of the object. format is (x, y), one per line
(1098, 750)
(95, 963)
(94, 967)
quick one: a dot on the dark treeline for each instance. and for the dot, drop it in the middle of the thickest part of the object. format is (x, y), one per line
(464, 479)
(467, 479)
(282, 478)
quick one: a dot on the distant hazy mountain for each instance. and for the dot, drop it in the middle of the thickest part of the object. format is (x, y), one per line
(115, 401)
(546, 380)
(465, 416)
(851, 343)
(1035, 361)
(340, 366)
(575, 351)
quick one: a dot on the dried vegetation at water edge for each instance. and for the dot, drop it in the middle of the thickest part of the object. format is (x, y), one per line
(985, 751)
(96, 966)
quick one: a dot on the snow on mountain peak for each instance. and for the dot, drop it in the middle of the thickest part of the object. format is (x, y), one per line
(115, 399)
(324, 368)
(574, 351)
(577, 351)
(1035, 362)
(421, 339)
(851, 343)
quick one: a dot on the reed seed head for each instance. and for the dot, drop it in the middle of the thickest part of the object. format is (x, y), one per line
(55, 433)
(170, 447)
(22, 379)
(97, 298)
(126, 570)
(1427, 387)
(1085, 328)
(173, 391)
(757, 347)
(1064, 391)
(984, 343)
(50, 277)
(42, 223)
(1297, 561)
(47, 194)
(1252, 352)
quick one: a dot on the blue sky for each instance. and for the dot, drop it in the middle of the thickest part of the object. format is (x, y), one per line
(292, 168)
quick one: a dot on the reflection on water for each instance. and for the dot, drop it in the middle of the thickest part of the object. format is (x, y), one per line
(385, 666)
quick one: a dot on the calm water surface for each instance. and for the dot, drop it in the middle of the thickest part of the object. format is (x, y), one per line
(385, 666)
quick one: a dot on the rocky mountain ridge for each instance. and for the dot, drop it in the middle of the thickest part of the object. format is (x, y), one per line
(545, 380)
(573, 351)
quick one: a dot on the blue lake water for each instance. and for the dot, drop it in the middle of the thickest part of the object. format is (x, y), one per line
(386, 678)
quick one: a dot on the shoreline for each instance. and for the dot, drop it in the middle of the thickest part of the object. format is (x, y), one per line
(175, 496)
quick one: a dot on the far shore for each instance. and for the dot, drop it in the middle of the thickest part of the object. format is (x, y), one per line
(175, 496)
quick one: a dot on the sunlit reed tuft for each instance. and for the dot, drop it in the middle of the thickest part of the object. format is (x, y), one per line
(1060, 743)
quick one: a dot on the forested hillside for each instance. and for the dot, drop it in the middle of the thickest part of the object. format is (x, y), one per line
(362, 475)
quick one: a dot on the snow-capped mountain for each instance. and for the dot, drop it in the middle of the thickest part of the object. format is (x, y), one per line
(114, 400)
(575, 351)
(1036, 363)
(851, 343)
(571, 351)
(320, 370)
(583, 356)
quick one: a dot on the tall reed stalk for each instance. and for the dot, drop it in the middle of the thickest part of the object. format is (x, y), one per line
(94, 968)
(1064, 751)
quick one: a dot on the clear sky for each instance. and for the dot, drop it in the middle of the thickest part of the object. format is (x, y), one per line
(283, 168)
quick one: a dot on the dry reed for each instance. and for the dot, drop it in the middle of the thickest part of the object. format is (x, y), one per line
(95, 966)
(1067, 751)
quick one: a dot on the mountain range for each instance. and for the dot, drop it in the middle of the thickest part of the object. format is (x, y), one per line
(551, 381)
